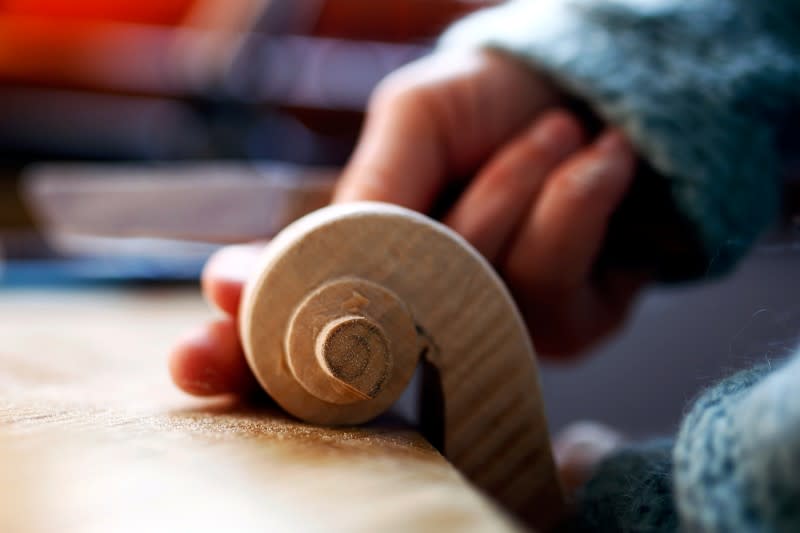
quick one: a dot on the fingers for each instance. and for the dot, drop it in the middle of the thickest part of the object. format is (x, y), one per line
(558, 244)
(550, 264)
(225, 274)
(436, 118)
(496, 202)
(211, 362)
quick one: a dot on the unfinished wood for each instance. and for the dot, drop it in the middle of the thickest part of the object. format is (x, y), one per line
(493, 427)
(94, 438)
(351, 340)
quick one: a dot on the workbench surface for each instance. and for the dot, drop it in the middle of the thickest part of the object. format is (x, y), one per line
(94, 437)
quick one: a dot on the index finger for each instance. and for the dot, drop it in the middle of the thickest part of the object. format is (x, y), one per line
(398, 159)
(439, 117)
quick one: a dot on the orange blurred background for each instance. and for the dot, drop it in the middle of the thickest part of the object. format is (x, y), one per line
(126, 122)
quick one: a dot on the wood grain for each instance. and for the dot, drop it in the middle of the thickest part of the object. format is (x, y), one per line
(493, 425)
(93, 437)
(351, 340)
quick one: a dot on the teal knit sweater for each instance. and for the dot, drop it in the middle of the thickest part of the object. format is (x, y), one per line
(707, 91)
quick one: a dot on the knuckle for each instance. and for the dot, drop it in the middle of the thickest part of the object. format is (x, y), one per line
(396, 93)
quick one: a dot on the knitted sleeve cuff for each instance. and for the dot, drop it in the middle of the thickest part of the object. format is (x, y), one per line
(737, 454)
(696, 86)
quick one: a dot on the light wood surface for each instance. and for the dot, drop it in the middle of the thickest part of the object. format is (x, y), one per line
(94, 438)
(326, 272)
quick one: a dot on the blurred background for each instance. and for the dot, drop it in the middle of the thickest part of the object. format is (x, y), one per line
(188, 120)
(137, 136)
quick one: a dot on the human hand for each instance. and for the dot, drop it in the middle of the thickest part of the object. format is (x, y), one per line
(537, 206)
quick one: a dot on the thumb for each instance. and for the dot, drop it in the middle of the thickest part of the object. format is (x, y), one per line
(226, 272)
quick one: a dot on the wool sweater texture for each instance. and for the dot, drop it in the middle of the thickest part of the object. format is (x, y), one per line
(706, 91)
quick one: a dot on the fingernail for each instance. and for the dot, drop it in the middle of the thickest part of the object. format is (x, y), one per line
(612, 141)
(614, 152)
(235, 262)
(557, 133)
(196, 337)
(607, 163)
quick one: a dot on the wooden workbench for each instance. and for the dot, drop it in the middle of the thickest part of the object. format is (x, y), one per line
(93, 437)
